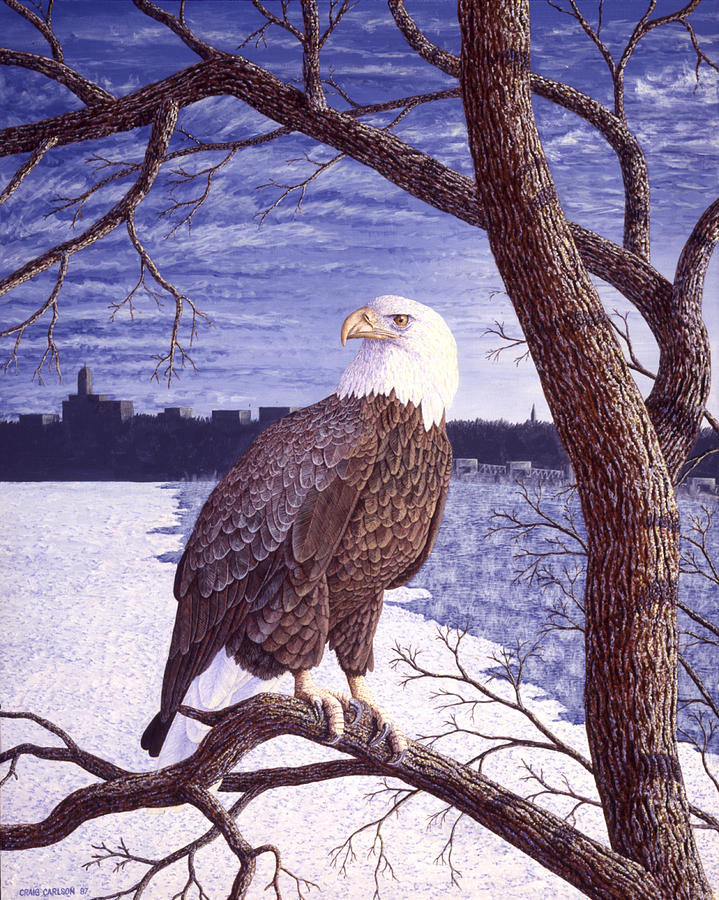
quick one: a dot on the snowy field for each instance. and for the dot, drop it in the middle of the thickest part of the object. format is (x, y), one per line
(86, 574)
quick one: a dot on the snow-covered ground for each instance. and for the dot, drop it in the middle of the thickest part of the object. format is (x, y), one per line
(86, 576)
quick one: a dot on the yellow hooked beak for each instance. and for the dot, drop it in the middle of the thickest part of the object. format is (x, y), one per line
(364, 323)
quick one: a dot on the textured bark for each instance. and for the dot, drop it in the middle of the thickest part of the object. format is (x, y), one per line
(591, 867)
(624, 486)
(89, 92)
(683, 380)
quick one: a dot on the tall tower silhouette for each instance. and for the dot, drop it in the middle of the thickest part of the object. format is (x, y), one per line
(533, 415)
(84, 381)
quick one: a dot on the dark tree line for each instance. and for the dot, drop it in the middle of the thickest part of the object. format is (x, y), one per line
(146, 448)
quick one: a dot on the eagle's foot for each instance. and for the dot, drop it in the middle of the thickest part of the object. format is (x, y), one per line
(327, 704)
(387, 730)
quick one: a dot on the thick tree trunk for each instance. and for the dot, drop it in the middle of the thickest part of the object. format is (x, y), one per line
(624, 486)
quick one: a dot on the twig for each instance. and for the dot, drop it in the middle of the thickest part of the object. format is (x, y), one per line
(184, 177)
(19, 330)
(624, 334)
(168, 359)
(511, 343)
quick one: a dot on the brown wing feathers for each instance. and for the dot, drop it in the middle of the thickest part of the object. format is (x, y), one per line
(240, 573)
(295, 545)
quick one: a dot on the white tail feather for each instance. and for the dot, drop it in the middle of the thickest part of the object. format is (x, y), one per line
(219, 686)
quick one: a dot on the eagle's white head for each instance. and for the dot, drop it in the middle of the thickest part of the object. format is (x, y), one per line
(407, 348)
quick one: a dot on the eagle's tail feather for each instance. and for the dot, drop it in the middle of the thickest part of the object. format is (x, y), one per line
(154, 735)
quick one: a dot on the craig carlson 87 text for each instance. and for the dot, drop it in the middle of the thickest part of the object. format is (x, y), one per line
(52, 892)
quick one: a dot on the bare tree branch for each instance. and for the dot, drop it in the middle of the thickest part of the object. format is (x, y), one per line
(284, 22)
(703, 565)
(311, 55)
(183, 177)
(19, 330)
(335, 17)
(179, 26)
(511, 342)
(598, 871)
(701, 55)
(90, 93)
(409, 657)
(43, 25)
(154, 157)
(301, 186)
(623, 332)
(629, 153)
(401, 164)
(25, 169)
(71, 752)
(699, 684)
(683, 380)
(169, 359)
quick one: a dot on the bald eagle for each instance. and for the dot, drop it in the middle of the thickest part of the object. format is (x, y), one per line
(329, 507)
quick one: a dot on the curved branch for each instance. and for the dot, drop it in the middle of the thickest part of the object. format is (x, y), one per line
(283, 22)
(695, 257)
(19, 330)
(413, 171)
(593, 868)
(645, 25)
(403, 165)
(164, 123)
(90, 93)
(169, 358)
(592, 35)
(442, 59)
(683, 381)
(42, 26)
(71, 752)
(201, 798)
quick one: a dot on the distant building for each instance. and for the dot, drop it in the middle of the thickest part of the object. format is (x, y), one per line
(38, 420)
(519, 467)
(230, 419)
(84, 381)
(173, 413)
(702, 485)
(269, 414)
(85, 409)
(533, 415)
(464, 466)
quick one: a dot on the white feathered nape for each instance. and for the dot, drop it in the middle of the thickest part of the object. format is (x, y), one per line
(418, 363)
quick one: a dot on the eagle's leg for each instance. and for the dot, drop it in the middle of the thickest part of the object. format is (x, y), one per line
(323, 701)
(360, 691)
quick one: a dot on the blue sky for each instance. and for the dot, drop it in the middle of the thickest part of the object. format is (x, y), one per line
(277, 293)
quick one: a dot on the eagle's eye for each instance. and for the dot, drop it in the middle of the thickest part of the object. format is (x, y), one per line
(400, 320)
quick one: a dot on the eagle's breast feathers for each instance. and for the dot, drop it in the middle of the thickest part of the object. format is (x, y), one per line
(296, 544)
